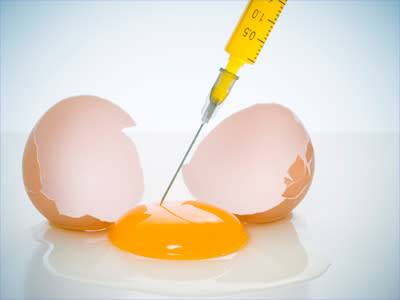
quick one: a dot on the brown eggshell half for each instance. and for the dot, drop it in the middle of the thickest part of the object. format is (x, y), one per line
(257, 164)
(80, 170)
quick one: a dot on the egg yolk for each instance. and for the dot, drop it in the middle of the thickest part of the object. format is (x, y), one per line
(178, 230)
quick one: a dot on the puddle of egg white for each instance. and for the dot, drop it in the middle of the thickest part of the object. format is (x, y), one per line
(273, 257)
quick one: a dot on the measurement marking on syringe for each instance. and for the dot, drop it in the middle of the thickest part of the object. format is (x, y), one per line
(255, 27)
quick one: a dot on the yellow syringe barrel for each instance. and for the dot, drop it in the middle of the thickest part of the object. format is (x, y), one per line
(252, 31)
(246, 42)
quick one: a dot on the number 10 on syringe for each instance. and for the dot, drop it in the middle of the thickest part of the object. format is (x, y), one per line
(244, 46)
(252, 30)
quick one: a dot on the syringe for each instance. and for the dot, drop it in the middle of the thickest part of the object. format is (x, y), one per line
(244, 46)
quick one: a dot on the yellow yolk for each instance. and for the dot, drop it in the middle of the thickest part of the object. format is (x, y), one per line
(178, 230)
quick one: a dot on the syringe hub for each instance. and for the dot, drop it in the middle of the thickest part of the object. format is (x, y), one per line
(219, 92)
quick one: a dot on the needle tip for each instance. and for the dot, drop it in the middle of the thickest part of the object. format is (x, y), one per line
(181, 164)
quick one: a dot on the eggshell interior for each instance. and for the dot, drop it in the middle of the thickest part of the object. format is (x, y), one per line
(257, 164)
(80, 170)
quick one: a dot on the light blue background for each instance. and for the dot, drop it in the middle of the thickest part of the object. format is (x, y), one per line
(334, 63)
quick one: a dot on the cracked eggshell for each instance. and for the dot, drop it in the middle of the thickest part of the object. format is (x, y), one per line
(257, 164)
(80, 170)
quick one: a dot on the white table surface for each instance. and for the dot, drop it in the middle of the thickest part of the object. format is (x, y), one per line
(334, 63)
(351, 214)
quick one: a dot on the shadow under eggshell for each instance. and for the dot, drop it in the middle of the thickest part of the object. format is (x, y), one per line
(257, 163)
(80, 170)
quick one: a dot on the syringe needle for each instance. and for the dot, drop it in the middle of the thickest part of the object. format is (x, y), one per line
(243, 48)
(181, 164)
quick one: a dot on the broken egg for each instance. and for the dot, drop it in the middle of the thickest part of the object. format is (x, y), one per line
(80, 170)
(257, 164)
(179, 231)
(276, 255)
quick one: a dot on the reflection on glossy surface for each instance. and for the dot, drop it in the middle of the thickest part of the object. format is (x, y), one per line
(178, 231)
(273, 257)
(41, 283)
